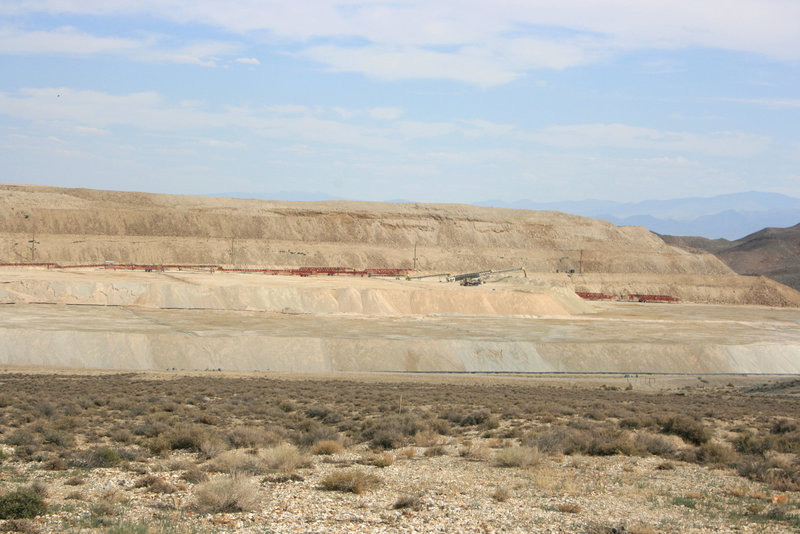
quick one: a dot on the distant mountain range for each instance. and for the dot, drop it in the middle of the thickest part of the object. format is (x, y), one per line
(725, 216)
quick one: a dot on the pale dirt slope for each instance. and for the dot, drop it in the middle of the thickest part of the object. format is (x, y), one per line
(88, 226)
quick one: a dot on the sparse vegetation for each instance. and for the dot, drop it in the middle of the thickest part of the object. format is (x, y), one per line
(351, 480)
(227, 494)
(23, 503)
(167, 436)
(517, 457)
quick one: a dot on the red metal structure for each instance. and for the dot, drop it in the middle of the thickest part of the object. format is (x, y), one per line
(298, 271)
(654, 298)
(593, 296)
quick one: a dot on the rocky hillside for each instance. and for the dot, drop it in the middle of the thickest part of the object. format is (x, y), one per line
(82, 225)
(772, 252)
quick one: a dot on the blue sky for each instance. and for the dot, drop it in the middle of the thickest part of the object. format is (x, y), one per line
(432, 101)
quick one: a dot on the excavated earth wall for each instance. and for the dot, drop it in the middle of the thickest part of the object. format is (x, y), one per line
(87, 226)
(199, 320)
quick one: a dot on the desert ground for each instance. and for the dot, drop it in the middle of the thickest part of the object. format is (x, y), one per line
(153, 380)
(267, 452)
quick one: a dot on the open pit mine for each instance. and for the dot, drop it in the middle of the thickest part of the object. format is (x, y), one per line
(113, 280)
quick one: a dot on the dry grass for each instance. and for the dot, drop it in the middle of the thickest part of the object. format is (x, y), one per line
(352, 481)
(327, 447)
(227, 494)
(238, 461)
(501, 494)
(285, 459)
(522, 457)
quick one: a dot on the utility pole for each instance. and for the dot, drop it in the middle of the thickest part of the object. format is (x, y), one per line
(580, 263)
(33, 243)
(232, 250)
(415, 256)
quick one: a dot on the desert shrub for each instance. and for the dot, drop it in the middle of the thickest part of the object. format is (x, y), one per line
(656, 444)
(712, 453)
(187, 437)
(501, 494)
(749, 443)
(194, 475)
(227, 494)
(154, 484)
(559, 440)
(327, 447)
(55, 463)
(384, 459)
(637, 421)
(25, 526)
(783, 426)
(311, 432)
(387, 439)
(93, 458)
(687, 428)
(23, 503)
(287, 406)
(57, 437)
(474, 451)
(151, 428)
(569, 508)
(252, 436)
(440, 426)
(324, 413)
(22, 437)
(390, 432)
(608, 442)
(121, 435)
(411, 501)
(426, 438)
(475, 418)
(157, 445)
(436, 450)
(351, 481)
(517, 457)
(285, 458)
(212, 445)
(206, 418)
(318, 411)
(238, 461)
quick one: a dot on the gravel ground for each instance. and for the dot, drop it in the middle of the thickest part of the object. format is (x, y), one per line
(448, 493)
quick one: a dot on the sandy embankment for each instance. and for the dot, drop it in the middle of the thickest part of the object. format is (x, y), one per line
(252, 322)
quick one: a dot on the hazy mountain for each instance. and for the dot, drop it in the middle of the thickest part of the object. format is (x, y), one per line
(724, 216)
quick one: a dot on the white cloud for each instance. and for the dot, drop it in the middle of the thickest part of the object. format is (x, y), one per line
(89, 130)
(248, 60)
(388, 63)
(775, 103)
(68, 40)
(386, 113)
(94, 111)
(471, 41)
(722, 143)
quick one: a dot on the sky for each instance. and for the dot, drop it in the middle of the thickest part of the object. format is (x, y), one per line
(429, 101)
